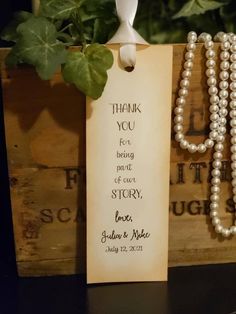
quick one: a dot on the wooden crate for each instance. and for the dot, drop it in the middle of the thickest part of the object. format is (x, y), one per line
(45, 133)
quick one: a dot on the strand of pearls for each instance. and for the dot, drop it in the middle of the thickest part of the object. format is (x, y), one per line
(183, 92)
(218, 110)
(220, 138)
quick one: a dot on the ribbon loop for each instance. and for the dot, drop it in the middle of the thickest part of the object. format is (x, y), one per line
(126, 35)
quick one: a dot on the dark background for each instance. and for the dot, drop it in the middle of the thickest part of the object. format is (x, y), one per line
(7, 256)
(190, 290)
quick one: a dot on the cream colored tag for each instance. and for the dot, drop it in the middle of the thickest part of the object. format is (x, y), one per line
(128, 158)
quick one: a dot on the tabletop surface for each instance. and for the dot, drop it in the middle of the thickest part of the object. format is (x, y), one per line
(192, 290)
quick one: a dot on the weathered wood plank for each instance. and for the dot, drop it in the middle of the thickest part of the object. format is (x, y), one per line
(45, 132)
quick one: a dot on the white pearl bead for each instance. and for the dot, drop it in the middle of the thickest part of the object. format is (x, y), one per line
(217, 155)
(213, 108)
(210, 53)
(214, 198)
(209, 44)
(233, 76)
(218, 229)
(192, 37)
(215, 189)
(188, 65)
(233, 132)
(184, 83)
(210, 63)
(211, 81)
(224, 75)
(178, 119)
(220, 138)
(233, 149)
(233, 230)
(192, 148)
(213, 135)
(222, 120)
(183, 92)
(224, 65)
(233, 167)
(178, 128)
(216, 164)
(233, 140)
(213, 213)
(223, 93)
(233, 157)
(179, 136)
(225, 232)
(214, 206)
(233, 86)
(233, 174)
(224, 55)
(233, 123)
(214, 117)
(186, 74)
(233, 95)
(233, 66)
(215, 173)
(233, 48)
(232, 104)
(233, 57)
(233, 182)
(204, 37)
(223, 112)
(180, 101)
(184, 144)
(215, 221)
(218, 36)
(224, 85)
(179, 110)
(232, 37)
(223, 103)
(213, 125)
(189, 55)
(209, 143)
(225, 45)
(210, 72)
(201, 148)
(215, 181)
(214, 99)
(219, 147)
(222, 129)
(191, 46)
(224, 37)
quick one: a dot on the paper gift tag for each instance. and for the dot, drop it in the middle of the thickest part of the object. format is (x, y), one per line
(128, 158)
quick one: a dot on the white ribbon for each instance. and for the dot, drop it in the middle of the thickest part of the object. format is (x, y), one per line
(126, 35)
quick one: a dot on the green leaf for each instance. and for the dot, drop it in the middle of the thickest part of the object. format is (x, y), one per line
(38, 46)
(59, 9)
(197, 7)
(10, 31)
(88, 70)
(12, 59)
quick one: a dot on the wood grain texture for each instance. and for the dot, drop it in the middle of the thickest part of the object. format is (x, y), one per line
(45, 133)
(3, 54)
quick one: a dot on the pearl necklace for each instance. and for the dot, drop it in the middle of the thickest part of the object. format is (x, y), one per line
(218, 110)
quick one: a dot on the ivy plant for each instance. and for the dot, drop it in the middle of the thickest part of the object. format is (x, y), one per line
(44, 40)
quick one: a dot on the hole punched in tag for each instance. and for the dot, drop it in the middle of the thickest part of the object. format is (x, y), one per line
(129, 68)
